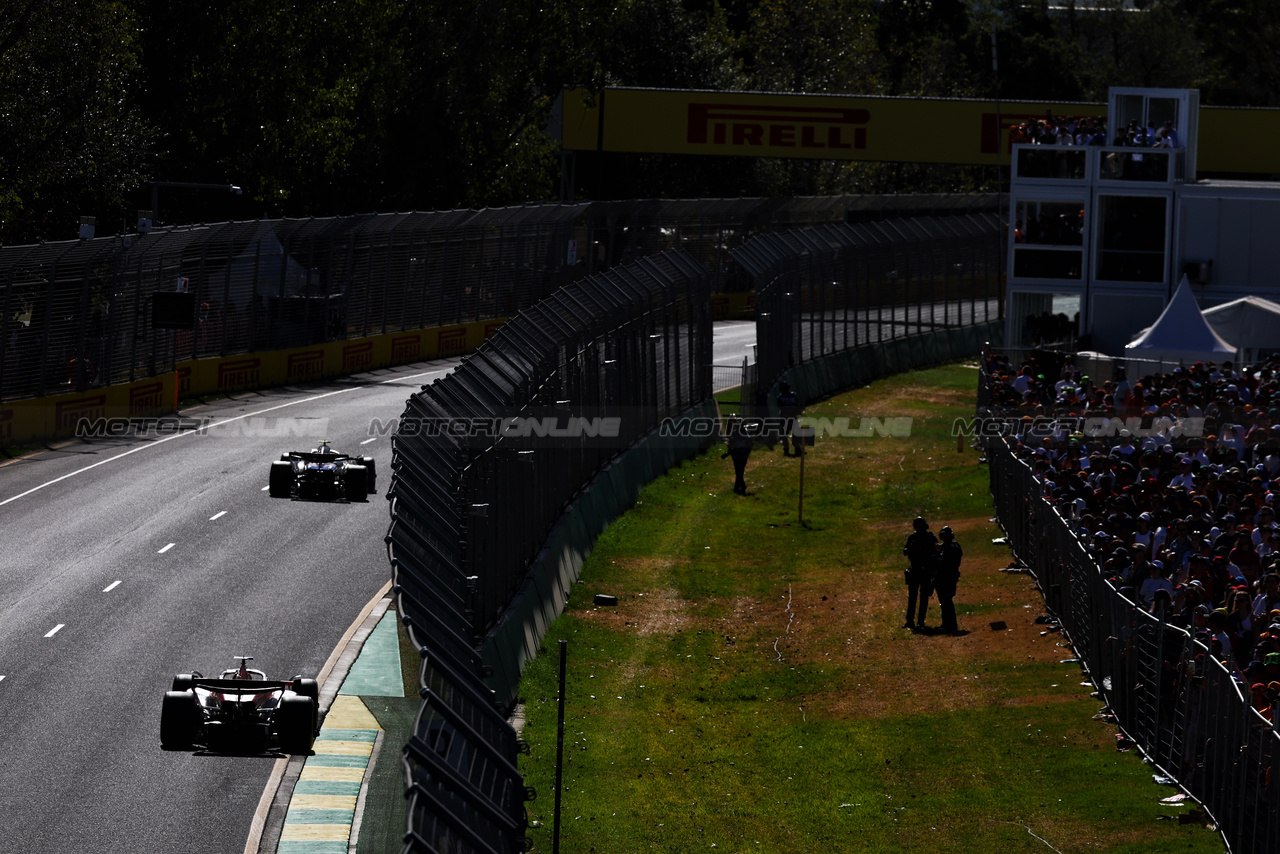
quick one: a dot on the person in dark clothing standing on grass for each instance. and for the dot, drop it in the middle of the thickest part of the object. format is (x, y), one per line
(922, 551)
(789, 408)
(945, 577)
(739, 448)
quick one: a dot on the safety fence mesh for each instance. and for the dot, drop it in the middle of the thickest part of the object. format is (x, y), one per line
(485, 461)
(1170, 695)
(825, 289)
(78, 314)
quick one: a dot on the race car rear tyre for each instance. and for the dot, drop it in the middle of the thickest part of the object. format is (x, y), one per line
(371, 466)
(183, 682)
(307, 687)
(179, 718)
(280, 482)
(355, 483)
(296, 725)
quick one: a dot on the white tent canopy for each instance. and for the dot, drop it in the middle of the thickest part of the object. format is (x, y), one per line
(1180, 336)
(1251, 323)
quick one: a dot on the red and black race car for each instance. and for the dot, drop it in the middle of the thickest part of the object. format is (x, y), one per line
(323, 474)
(242, 711)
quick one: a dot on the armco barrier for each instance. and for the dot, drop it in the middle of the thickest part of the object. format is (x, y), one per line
(495, 499)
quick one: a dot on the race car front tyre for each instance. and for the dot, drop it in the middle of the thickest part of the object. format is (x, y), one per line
(371, 466)
(280, 482)
(179, 718)
(296, 725)
(355, 483)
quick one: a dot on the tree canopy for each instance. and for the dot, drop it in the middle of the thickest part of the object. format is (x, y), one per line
(332, 107)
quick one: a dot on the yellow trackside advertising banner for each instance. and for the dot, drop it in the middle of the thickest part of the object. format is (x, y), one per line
(852, 127)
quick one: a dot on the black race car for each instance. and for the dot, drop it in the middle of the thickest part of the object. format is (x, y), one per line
(323, 474)
(242, 711)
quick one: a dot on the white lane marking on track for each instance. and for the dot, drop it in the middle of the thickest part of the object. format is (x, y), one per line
(173, 436)
(367, 441)
(112, 586)
(53, 631)
(217, 516)
(1, 677)
(264, 489)
(166, 548)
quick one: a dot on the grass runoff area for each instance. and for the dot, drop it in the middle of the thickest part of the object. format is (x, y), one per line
(753, 689)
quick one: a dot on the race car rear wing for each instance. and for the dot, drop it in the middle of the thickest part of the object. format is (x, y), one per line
(243, 686)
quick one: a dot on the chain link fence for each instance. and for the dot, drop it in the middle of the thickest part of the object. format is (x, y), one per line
(485, 461)
(829, 288)
(1174, 698)
(77, 314)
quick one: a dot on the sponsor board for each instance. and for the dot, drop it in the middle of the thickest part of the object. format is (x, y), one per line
(863, 127)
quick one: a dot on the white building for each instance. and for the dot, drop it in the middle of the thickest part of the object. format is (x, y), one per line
(1104, 234)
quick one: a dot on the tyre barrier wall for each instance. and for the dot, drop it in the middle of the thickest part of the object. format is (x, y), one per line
(1178, 704)
(103, 410)
(492, 510)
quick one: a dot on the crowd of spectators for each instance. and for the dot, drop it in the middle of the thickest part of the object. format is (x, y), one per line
(1170, 481)
(1092, 130)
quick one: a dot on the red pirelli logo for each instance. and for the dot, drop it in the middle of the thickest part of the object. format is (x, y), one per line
(778, 127)
(357, 356)
(66, 414)
(146, 397)
(405, 348)
(308, 363)
(239, 372)
(452, 340)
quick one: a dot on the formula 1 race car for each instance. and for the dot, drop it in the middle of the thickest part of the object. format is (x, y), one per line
(322, 474)
(242, 711)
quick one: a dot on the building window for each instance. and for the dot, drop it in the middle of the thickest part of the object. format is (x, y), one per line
(1131, 238)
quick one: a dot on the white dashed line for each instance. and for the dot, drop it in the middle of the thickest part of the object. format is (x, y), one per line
(53, 631)
(217, 515)
(166, 548)
(1, 677)
(264, 489)
(367, 441)
(112, 586)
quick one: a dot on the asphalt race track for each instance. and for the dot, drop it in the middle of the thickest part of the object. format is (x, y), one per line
(127, 560)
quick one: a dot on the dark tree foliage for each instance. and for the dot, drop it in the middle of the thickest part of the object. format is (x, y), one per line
(72, 137)
(331, 107)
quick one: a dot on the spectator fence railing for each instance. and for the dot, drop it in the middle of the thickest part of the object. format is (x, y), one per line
(1179, 704)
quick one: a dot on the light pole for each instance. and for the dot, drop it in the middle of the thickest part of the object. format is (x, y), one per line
(156, 185)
